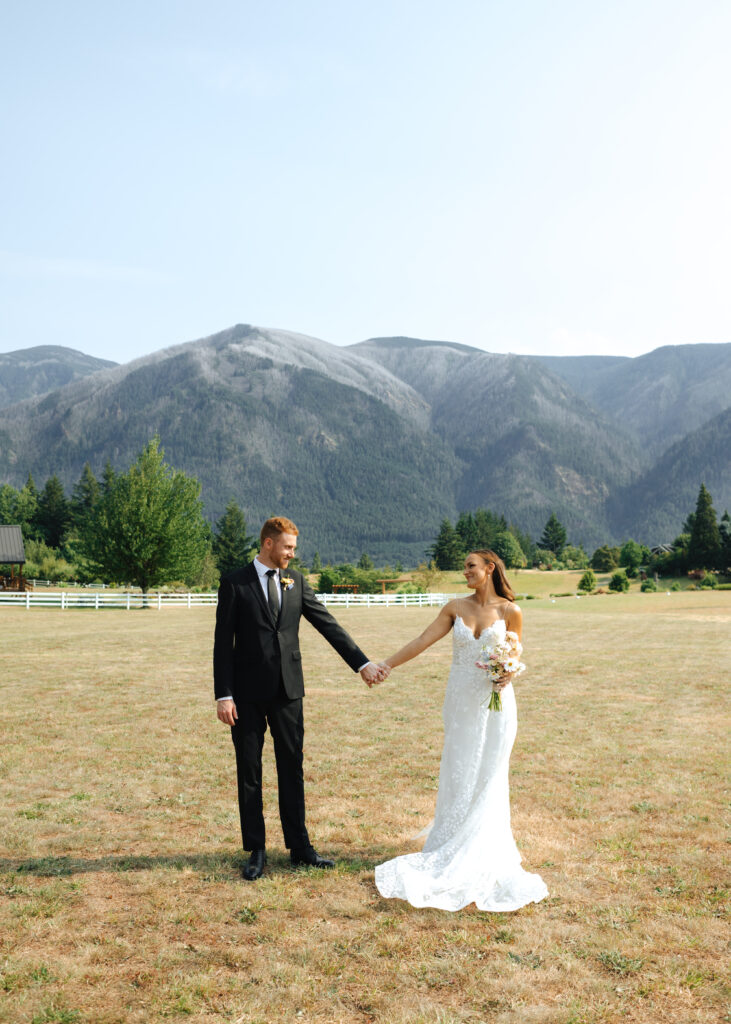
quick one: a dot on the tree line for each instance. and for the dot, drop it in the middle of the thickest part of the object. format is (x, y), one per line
(703, 545)
(146, 527)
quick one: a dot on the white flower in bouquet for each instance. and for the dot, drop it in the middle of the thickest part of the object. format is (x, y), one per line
(500, 658)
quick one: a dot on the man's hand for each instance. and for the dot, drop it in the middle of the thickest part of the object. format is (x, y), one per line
(226, 710)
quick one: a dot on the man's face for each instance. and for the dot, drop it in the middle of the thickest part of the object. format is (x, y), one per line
(281, 549)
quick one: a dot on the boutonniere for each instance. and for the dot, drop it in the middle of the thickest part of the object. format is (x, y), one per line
(287, 582)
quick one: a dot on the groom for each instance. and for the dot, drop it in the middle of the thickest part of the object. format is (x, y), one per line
(257, 671)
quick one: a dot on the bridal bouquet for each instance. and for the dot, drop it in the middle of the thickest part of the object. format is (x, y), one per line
(500, 658)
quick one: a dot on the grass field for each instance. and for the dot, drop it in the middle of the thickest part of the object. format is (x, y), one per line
(120, 894)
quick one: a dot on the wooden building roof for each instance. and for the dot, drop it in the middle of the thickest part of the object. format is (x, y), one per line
(12, 551)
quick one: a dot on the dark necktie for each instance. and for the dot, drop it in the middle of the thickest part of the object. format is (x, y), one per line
(272, 594)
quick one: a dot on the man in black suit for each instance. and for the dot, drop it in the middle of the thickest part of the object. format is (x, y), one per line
(257, 671)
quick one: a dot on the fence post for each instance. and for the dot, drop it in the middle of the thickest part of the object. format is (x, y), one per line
(63, 599)
(159, 600)
(27, 599)
(128, 597)
(96, 601)
(189, 599)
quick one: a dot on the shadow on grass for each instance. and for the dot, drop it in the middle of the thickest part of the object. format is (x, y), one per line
(215, 866)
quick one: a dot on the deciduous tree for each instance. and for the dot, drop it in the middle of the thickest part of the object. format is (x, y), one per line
(147, 527)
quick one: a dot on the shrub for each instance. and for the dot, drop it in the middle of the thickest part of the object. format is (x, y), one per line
(587, 582)
(648, 587)
(724, 586)
(675, 585)
(411, 588)
(328, 579)
(619, 582)
(603, 559)
(709, 581)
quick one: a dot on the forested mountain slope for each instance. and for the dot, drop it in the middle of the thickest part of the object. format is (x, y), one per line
(36, 371)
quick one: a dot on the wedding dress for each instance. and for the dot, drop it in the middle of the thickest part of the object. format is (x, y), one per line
(470, 855)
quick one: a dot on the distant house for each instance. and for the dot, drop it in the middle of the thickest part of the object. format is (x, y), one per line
(12, 553)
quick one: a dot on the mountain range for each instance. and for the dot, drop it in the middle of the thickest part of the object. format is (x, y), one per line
(367, 447)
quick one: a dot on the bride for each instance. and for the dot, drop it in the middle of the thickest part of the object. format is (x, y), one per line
(469, 855)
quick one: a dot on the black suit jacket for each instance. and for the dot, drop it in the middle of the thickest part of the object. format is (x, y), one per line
(252, 651)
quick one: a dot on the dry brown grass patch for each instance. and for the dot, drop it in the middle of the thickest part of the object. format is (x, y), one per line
(119, 887)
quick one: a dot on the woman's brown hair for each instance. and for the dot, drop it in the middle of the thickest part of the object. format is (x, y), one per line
(499, 579)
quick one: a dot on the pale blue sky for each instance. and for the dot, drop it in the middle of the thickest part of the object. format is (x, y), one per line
(520, 176)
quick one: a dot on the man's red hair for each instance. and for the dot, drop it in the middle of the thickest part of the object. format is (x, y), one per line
(276, 525)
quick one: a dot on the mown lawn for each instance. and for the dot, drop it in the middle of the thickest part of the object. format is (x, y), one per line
(119, 858)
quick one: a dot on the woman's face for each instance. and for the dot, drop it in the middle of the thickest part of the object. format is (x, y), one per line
(477, 570)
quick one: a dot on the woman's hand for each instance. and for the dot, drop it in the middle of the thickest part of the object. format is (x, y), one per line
(502, 682)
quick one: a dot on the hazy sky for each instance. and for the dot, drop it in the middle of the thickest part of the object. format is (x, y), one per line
(520, 176)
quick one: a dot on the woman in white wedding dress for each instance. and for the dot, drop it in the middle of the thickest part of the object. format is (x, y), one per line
(469, 855)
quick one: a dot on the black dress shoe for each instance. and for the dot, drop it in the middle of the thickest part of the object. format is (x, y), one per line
(308, 856)
(255, 866)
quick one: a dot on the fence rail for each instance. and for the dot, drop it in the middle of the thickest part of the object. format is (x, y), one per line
(129, 599)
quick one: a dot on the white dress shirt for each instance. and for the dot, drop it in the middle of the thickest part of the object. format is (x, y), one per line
(262, 570)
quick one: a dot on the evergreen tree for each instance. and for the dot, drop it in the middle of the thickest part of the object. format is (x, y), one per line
(467, 530)
(84, 496)
(53, 515)
(587, 582)
(705, 538)
(108, 476)
(487, 526)
(232, 547)
(316, 562)
(724, 530)
(447, 550)
(365, 562)
(147, 527)
(554, 536)
(8, 505)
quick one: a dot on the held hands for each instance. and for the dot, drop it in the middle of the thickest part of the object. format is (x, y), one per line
(372, 674)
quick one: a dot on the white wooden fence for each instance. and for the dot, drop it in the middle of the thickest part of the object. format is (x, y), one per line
(134, 599)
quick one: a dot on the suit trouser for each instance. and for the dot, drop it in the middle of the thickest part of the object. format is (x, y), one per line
(286, 722)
